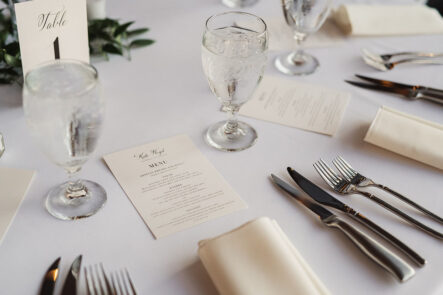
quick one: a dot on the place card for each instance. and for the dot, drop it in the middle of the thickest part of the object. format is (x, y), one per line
(14, 184)
(281, 36)
(305, 106)
(172, 185)
(52, 29)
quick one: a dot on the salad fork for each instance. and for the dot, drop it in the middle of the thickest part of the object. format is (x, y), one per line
(342, 186)
(122, 283)
(388, 56)
(359, 180)
(98, 282)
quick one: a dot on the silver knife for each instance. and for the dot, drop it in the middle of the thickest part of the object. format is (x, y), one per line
(70, 286)
(374, 250)
(50, 278)
(324, 198)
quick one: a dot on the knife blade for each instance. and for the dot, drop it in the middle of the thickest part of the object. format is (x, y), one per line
(401, 91)
(375, 251)
(324, 198)
(70, 286)
(50, 278)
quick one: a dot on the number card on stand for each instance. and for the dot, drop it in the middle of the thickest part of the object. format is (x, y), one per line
(52, 29)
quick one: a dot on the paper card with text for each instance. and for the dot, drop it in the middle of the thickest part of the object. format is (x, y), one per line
(305, 106)
(172, 185)
(14, 184)
(52, 29)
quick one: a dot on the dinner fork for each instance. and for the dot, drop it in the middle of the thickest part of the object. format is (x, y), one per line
(359, 180)
(97, 282)
(386, 66)
(342, 186)
(387, 56)
(122, 283)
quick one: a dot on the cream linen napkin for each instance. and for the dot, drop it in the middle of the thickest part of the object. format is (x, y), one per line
(407, 135)
(379, 20)
(258, 259)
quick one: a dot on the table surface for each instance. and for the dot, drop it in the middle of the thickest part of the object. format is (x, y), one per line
(162, 92)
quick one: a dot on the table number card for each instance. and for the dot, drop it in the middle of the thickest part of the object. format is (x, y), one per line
(52, 29)
(172, 185)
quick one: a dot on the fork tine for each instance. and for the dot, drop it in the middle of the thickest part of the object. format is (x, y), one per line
(117, 279)
(114, 284)
(347, 165)
(324, 176)
(125, 286)
(89, 289)
(329, 171)
(130, 282)
(342, 169)
(106, 280)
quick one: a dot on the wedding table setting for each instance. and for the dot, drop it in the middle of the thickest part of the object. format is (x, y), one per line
(221, 147)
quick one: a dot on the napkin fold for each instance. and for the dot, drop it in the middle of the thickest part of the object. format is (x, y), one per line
(257, 258)
(407, 135)
(380, 20)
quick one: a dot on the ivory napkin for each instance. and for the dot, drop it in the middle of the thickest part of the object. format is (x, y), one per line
(258, 259)
(407, 135)
(379, 20)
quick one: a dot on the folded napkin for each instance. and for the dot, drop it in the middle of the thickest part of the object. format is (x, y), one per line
(258, 259)
(407, 135)
(379, 20)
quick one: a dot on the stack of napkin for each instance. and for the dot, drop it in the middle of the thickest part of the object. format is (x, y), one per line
(258, 259)
(407, 135)
(380, 20)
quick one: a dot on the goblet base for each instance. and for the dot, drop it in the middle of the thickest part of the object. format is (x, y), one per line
(244, 137)
(62, 207)
(239, 3)
(296, 64)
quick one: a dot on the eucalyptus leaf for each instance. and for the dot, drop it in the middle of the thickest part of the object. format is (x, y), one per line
(136, 32)
(111, 48)
(141, 43)
(122, 28)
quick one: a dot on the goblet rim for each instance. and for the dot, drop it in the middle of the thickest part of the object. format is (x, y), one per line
(208, 29)
(85, 65)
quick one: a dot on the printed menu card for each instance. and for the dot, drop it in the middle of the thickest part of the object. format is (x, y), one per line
(52, 29)
(305, 106)
(172, 185)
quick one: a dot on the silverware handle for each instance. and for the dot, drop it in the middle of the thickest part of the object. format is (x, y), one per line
(401, 214)
(410, 202)
(377, 252)
(390, 238)
(419, 60)
(431, 96)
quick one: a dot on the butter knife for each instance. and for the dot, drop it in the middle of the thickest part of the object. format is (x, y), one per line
(324, 198)
(377, 252)
(50, 278)
(70, 286)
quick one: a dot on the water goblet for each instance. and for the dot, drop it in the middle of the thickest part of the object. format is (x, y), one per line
(304, 17)
(234, 49)
(64, 109)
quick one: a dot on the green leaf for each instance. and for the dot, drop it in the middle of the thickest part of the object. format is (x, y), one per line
(122, 28)
(137, 32)
(12, 60)
(12, 48)
(141, 43)
(111, 48)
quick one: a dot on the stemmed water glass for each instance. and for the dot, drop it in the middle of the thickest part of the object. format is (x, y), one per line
(304, 17)
(234, 49)
(64, 110)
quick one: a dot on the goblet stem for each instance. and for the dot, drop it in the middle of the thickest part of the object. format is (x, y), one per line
(231, 126)
(299, 53)
(75, 188)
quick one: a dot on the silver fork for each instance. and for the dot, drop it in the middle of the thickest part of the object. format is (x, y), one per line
(97, 282)
(122, 283)
(342, 186)
(359, 180)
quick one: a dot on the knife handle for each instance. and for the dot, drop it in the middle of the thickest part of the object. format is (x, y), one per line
(390, 238)
(374, 250)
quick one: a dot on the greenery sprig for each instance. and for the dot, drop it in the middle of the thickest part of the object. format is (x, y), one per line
(106, 36)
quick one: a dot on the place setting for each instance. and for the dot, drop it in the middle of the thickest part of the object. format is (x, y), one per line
(234, 196)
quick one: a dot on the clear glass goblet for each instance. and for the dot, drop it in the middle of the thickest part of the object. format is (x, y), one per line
(234, 50)
(304, 17)
(64, 110)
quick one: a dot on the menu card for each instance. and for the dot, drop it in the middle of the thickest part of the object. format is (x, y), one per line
(52, 29)
(172, 185)
(305, 106)
(14, 184)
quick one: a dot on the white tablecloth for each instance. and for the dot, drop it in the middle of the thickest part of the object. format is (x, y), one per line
(162, 92)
